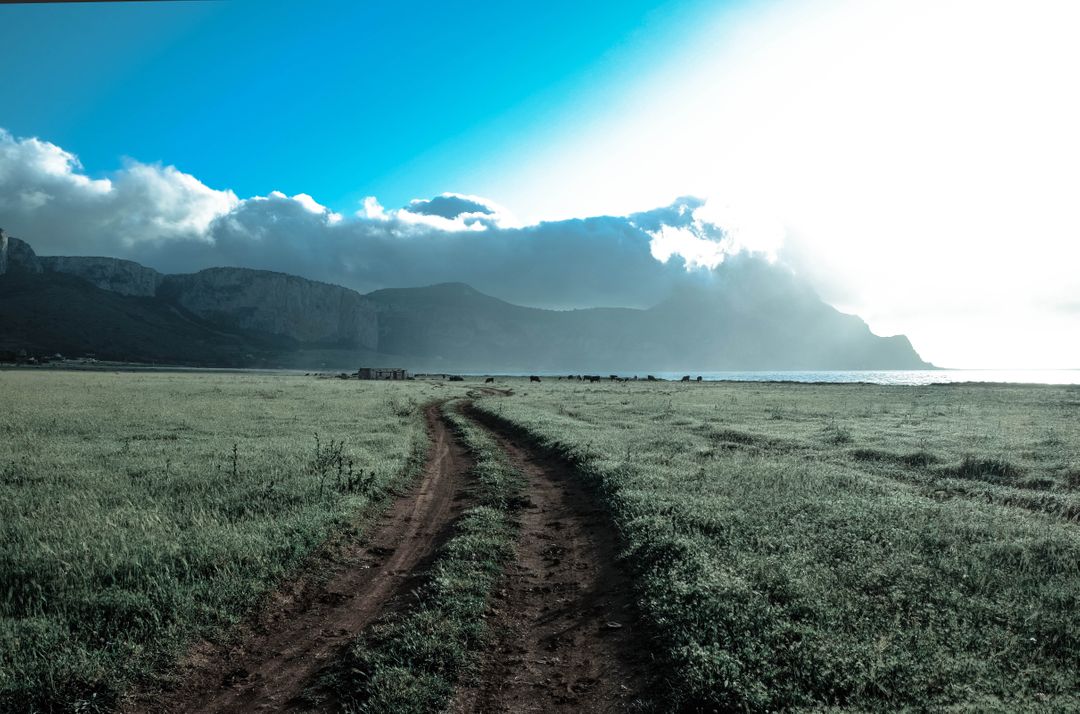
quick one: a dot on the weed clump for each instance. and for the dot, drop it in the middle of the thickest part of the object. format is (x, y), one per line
(332, 466)
(837, 435)
(914, 459)
(994, 470)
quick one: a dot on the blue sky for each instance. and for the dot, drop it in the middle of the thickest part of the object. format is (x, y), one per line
(915, 162)
(335, 99)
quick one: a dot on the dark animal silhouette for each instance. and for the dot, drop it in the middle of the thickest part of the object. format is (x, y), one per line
(534, 378)
(699, 378)
(456, 378)
(491, 380)
(686, 378)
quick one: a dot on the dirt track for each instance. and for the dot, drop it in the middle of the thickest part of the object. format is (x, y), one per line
(308, 622)
(563, 619)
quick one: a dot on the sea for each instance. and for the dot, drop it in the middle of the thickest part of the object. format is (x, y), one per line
(892, 376)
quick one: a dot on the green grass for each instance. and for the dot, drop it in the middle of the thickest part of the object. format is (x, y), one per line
(139, 512)
(839, 546)
(411, 660)
(793, 546)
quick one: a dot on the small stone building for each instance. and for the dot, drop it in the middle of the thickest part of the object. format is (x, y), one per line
(381, 373)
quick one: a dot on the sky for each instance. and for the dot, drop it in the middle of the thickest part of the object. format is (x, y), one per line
(916, 162)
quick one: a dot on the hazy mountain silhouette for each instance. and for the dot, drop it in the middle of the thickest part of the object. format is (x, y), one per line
(748, 315)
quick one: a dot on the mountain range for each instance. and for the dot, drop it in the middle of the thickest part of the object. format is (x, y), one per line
(751, 315)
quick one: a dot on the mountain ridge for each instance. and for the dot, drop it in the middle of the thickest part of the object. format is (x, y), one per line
(749, 316)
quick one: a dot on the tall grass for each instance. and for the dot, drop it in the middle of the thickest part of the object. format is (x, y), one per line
(799, 547)
(141, 511)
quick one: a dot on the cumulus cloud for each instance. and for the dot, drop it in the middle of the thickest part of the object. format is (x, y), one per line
(704, 233)
(44, 193)
(171, 221)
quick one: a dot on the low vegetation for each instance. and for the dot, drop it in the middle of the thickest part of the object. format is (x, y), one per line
(846, 546)
(411, 660)
(792, 547)
(141, 511)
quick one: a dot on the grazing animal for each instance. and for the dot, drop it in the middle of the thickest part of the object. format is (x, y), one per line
(534, 378)
(651, 378)
(489, 380)
(699, 378)
(456, 378)
(686, 378)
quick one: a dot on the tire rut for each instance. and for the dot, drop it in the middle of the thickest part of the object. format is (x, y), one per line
(308, 622)
(563, 621)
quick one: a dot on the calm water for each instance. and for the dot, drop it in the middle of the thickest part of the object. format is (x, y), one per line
(899, 376)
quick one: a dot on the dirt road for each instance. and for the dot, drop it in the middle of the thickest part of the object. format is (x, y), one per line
(309, 621)
(562, 621)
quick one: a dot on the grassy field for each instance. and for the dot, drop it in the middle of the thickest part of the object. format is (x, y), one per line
(793, 546)
(140, 511)
(847, 546)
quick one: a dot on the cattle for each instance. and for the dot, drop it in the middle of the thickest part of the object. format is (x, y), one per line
(699, 378)
(650, 378)
(456, 378)
(534, 378)
(489, 380)
(686, 378)
(594, 378)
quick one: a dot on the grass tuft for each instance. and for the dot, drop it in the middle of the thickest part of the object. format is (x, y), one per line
(995, 470)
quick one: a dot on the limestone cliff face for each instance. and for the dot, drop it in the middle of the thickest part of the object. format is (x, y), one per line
(119, 276)
(280, 304)
(17, 256)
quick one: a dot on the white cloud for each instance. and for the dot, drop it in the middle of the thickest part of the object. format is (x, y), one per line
(704, 234)
(44, 192)
(371, 208)
(698, 252)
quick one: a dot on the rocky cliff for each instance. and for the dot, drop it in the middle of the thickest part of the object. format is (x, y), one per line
(119, 276)
(304, 310)
(17, 256)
